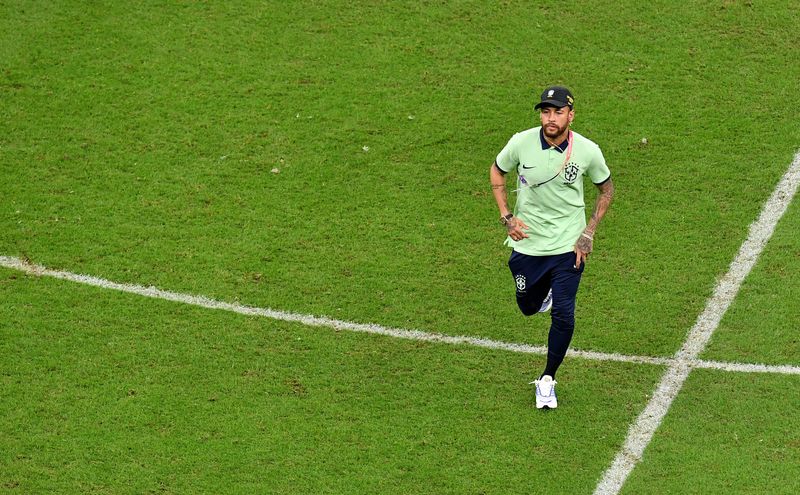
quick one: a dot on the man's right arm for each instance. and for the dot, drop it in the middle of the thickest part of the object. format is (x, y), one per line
(516, 228)
(498, 180)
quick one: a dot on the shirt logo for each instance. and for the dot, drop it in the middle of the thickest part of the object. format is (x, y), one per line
(571, 173)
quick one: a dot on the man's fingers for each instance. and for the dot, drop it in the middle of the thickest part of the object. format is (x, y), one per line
(517, 234)
(522, 228)
(580, 257)
(518, 231)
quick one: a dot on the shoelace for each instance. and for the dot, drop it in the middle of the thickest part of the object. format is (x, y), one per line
(536, 382)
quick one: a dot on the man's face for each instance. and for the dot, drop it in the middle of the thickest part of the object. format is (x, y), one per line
(555, 121)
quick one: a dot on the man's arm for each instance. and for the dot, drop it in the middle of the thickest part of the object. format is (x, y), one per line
(583, 246)
(516, 228)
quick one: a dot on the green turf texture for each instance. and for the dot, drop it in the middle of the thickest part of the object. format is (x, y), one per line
(762, 326)
(726, 433)
(138, 143)
(124, 395)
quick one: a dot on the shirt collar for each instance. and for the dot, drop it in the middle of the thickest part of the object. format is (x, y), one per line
(546, 146)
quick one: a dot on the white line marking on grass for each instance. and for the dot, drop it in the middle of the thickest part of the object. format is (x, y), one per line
(641, 432)
(602, 356)
(310, 320)
(317, 321)
(783, 369)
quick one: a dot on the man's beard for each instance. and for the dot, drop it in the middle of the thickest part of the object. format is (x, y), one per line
(552, 134)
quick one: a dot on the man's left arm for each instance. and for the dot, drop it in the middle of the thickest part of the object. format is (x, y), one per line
(583, 246)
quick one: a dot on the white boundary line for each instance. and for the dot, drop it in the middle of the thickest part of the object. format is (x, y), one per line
(747, 368)
(642, 431)
(316, 321)
(310, 320)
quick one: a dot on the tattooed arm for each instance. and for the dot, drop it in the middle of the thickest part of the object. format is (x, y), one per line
(583, 246)
(516, 228)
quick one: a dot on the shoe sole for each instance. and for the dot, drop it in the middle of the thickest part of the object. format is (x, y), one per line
(547, 405)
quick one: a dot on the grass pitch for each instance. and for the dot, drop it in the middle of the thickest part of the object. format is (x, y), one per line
(331, 158)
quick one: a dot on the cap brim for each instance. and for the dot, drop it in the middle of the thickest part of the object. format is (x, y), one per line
(551, 103)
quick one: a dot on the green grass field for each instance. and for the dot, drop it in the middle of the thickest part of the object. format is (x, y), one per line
(331, 158)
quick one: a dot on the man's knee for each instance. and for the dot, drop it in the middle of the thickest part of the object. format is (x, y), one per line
(563, 321)
(526, 307)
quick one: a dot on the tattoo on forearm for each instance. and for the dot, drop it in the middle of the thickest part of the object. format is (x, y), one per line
(603, 202)
(499, 191)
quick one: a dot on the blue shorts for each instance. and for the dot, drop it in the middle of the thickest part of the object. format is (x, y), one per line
(534, 276)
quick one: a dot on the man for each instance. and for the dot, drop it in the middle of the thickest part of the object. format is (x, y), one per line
(547, 230)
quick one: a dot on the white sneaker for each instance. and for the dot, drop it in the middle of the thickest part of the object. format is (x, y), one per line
(546, 392)
(547, 303)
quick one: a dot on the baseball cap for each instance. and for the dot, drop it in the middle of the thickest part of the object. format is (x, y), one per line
(556, 96)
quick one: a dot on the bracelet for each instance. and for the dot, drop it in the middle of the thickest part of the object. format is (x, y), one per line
(505, 219)
(584, 234)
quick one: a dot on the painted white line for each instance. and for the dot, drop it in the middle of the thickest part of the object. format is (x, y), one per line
(317, 321)
(783, 369)
(641, 432)
(310, 320)
(622, 358)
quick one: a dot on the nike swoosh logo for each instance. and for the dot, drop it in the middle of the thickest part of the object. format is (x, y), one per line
(526, 167)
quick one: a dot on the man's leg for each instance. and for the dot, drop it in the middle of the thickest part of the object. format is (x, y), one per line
(532, 281)
(565, 279)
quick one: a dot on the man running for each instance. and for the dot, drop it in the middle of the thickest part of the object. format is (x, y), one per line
(547, 230)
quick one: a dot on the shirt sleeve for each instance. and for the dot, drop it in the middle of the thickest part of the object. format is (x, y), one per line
(598, 170)
(508, 158)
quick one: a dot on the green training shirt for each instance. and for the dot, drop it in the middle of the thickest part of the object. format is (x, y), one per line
(550, 191)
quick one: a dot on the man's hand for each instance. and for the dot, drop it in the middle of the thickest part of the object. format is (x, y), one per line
(516, 229)
(583, 246)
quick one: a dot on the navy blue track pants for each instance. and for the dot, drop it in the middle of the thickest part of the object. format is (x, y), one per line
(534, 276)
